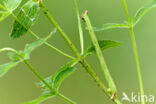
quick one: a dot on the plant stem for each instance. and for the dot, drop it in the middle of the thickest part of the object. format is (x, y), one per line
(65, 98)
(80, 26)
(63, 34)
(88, 69)
(46, 43)
(8, 49)
(81, 60)
(59, 51)
(37, 74)
(100, 56)
(30, 67)
(51, 89)
(135, 52)
(98, 81)
(126, 11)
(137, 63)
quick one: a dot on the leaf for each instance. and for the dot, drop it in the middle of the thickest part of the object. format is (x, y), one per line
(104, 44)
(59, 76)
(11, 5)
(42, 85)
(13, 57)
(26, 18)
(41, 98)
(6, 67)
(62, 73)
(110, 26)
(30, 47)
(141, 12)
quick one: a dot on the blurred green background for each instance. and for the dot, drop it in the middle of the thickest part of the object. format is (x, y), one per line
(18, 85)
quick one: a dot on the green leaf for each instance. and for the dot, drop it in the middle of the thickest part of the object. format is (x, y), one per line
(42, 85)
(30, 47)
(104, 44)
(62, 73)
(42, 98)
(110, 26)
(6, 67)
(11, 5)
(15, 59)
(59, 76)
(13, 56)
(141, 12)
(26, 18)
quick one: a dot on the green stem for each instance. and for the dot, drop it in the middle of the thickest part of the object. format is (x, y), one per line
(80, 26)
(59, 51)
(98, 81)
(63, 34)
(51, 89)
(8, 49)
(46, 43)
(110, 82)
(81, 60)
(37, 74)
(65, 98)
(137, 63)
(135, 52)
(126, 11)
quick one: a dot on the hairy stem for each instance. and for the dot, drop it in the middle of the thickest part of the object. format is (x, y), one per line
(135, 52)
(80, 26)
